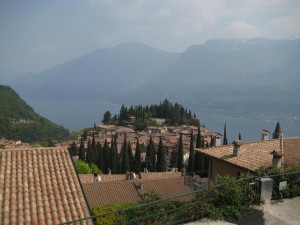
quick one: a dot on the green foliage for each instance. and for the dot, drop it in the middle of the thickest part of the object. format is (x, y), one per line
(82, 167)
(292, 177)
(95, 169)
(143, 115)
(226, 199)
(150, 156)
(156, 213)
(73, 149)
(180, 165)
(18, 121)
(137, 157)
(112, 218)
(191, 162)
(225, 141)
(161, 165)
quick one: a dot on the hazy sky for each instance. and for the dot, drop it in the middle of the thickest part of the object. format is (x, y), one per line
(35, 35)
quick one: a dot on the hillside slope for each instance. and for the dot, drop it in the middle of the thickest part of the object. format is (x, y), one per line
(18, 121)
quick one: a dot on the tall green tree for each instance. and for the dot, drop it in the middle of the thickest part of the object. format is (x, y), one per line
(240, 136)
(191, 156)
(94, 150)
(99, 156)
(180, 164)
(130, 156)
(199, 158)
(106, 158)
(225, 142)
(125, 158)
(89, 153)
(150, 156)
(137, 157)
(107, 118)
(161, 165)
(73, 149)
(114, 157)
(81, 150)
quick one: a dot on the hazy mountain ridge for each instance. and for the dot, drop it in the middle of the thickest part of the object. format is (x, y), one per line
(242, 77)
(100, 74)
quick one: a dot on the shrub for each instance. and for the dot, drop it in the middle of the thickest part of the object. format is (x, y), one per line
(226, 199)
(95, 169)
(82, 167)
(115, 218)
(280, 174)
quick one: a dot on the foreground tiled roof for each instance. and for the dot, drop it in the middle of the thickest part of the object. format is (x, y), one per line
(39, 186)
(166, 188)
(114, 192)
(254, 155)
(129, 191)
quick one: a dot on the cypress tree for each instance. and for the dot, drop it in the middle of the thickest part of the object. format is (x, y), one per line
(131, 157)
(225, 142)
(99, 156)
(199, 158)
(137, 158)
(105, 157)
(191, 157)
(161, 165)
(125, 158)
(73, 149)
(89, 153)
(240, 136)
(81, 150)
(150, 156)
(94, 150)
(113, 157)
(180, 154)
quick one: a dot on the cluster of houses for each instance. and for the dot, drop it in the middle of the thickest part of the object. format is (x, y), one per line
(41, 186)
(169, 135)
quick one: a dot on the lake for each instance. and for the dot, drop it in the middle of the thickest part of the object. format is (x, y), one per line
(76, 115)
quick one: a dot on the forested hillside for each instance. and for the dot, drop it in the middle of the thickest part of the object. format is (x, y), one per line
(18, 121)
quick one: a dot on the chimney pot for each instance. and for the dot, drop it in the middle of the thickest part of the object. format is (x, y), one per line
(276, 161)
(236, 147)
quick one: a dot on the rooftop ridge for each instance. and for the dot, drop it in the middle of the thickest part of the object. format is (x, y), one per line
(40, 148)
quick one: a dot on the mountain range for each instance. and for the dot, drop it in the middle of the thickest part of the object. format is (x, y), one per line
(253, 77)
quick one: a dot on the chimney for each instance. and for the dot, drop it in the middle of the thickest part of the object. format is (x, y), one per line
(265, 135)
(236, 147)
(276, 161)
(141, 186)
(95, 177)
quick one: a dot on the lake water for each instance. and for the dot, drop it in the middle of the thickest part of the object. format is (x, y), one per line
(76, 115)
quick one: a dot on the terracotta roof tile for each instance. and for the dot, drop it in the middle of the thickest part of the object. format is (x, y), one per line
(36, 187)
(254, 155)
(127, 191)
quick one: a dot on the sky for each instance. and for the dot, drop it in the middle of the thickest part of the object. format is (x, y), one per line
(38, 34)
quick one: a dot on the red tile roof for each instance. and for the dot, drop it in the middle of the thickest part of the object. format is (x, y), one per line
(114, 192)
(128, 191)
(254, 155)
(39, 186)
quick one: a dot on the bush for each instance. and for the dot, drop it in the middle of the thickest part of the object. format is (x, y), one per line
(82, 167)
(226, 199)
(95, 169)
(280, 174)
(115, 218)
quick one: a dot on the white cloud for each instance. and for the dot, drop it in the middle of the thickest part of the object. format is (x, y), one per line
(241, 29)
(45, 49)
